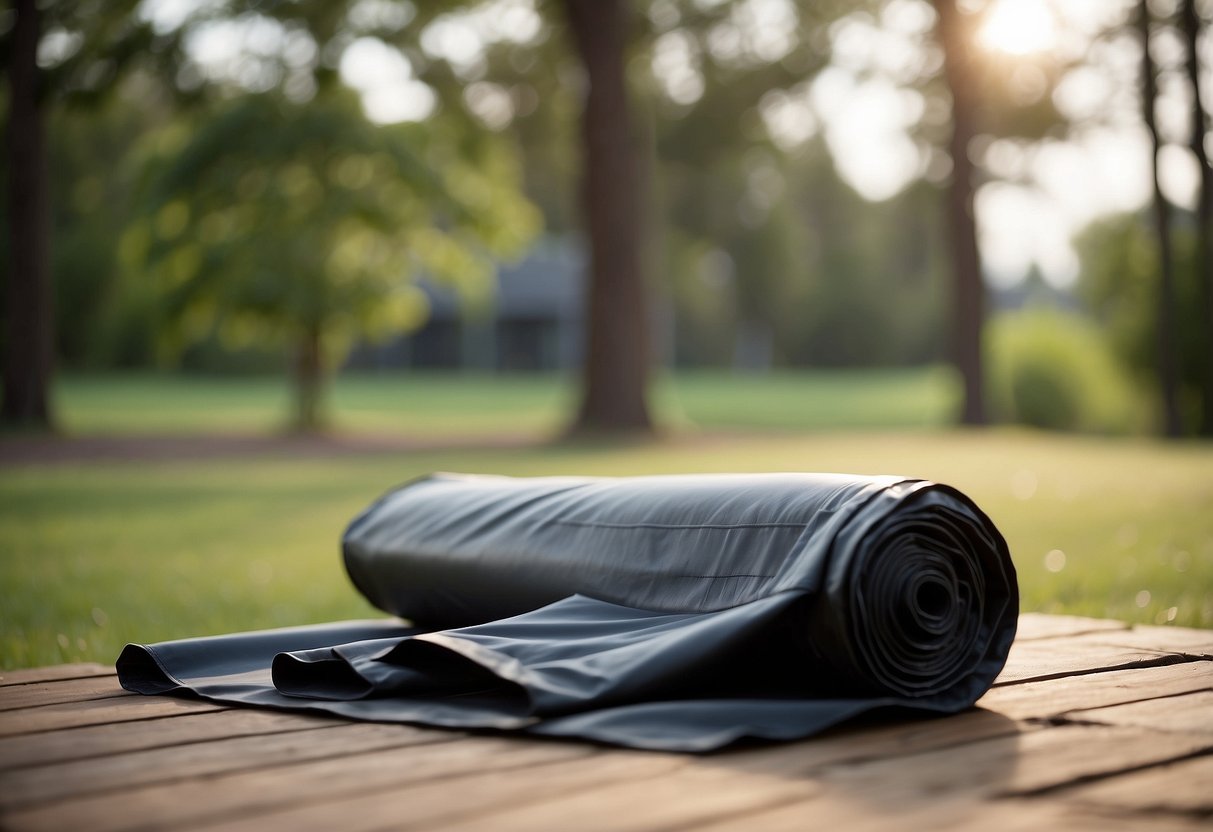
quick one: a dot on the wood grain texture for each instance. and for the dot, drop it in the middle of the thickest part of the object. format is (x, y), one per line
(493, 791)
(1192, 712)
(1035, 625)
(1026, 763)
(1094, 725)
(688, 796)
(732, 785)
(97, 712)
(36, 694)
(430, 804)
(1007, 815)
(287, 784)
(1181, 640)
(116, 738)
(1051, 697)
(41, 784)
(1183, 787)
(54, 673)
(1071, 656)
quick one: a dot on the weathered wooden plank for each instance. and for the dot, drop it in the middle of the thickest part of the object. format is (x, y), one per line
(429, 804)
(1053, 658)
(1009, 815)
(1184, 640)
(51, 693)
(1035, 625)
(54, 673)
(239, 793)
(1026, 701)
(423, 805)
(1190, 712)
(116, 738)
(1184, 786)
(40, 784)
(97, 712)
(686, 797)
(268, 774)
(739, 784)
(1051, 697)
(1023, 764)
(875, 740)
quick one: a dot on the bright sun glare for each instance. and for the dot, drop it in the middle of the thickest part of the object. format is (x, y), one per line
(1019, 27)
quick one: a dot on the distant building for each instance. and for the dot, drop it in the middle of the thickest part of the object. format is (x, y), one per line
(533, 323)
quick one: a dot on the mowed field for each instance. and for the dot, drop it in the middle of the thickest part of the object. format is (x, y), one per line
(96, 554)
(460, 406)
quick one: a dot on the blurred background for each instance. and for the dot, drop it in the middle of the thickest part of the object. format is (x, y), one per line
(266, 258)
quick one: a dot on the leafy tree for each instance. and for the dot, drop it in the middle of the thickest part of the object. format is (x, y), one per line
(835, 276)
(104, 315)
(1119, 283)
(297, 224)
(631, 129)
(830, 278)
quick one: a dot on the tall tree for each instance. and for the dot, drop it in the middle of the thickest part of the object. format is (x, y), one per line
(29, 330)
(617, 355)
(1168, 362)
(617, 351)
(1191, 24)
(98, 41)
(955, 35)
(295, 224)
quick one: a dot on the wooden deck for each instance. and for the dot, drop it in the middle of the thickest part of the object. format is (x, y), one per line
(1093, 725)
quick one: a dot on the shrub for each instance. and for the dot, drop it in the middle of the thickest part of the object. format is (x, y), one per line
(1051, 369)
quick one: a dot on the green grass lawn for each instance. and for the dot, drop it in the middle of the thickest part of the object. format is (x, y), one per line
(467, 405)
(95, 555)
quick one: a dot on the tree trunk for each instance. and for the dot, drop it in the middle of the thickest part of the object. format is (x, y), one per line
(1168, 368)
(1204, 212)
(617, 356)
(29, 315)
(309, 381)
(955, 36)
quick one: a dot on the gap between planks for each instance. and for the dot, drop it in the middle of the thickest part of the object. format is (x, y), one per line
(105, 711)
(40, 694)
(1037, 700)
(699, 792)
(125, 772)
(54, 673)
(93, 741)
(1180, 787)
(1086, 641)
(334, 812)
(870, 745)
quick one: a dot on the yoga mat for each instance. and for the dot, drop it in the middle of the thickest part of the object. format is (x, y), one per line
(676, 612)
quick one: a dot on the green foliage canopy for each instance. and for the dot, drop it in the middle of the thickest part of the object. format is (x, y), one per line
(1119, 283)
(277, 222)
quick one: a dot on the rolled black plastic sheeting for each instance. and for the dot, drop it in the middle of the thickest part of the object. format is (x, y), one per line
(679, 612)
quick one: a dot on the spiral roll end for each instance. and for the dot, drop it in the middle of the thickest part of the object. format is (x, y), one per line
(924, 592)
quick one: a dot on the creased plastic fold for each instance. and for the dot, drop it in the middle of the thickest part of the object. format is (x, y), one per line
(678, 613)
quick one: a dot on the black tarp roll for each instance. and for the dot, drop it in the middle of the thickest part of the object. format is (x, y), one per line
(678, 612)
